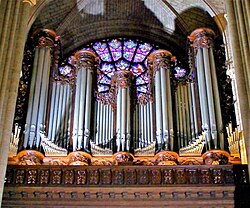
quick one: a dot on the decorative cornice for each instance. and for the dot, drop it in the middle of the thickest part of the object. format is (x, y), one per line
(86, 59)
(160, 59)
(45, 38)
(202, 38)
(30, 2)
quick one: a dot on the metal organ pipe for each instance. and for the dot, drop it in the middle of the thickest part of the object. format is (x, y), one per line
(159, 62)
(202, 42)
(121, 82)
(35, 120)
(86, 62)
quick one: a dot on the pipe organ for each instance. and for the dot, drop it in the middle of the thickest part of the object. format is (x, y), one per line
(73, 111)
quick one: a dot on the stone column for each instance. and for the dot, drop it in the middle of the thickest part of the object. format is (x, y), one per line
(86, 62)
(202, 42)
(160, 63)
(37, 104)
(238, 30)
(13, 32)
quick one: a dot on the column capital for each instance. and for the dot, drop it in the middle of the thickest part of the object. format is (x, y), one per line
(122, 78)
(160, 59)
(202, 38)
(30, 2)
(45, 38)
(86, 59)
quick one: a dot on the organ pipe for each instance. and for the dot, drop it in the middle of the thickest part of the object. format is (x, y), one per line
(121, 82)
(85, 62)
(160, 63)
(35, 120)
(202, 42)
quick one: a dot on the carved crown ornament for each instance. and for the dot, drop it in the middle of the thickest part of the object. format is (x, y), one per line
(86, 59)
(160, 59)
(46, 38)
(202, 38)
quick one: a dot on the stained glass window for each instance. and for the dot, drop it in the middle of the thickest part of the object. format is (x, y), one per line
(179, 72)
(122, 54)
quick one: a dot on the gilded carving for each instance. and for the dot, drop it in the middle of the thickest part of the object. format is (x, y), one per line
(69, 176)
(118, 176)
(168, 176)
(156, 177)
(30, 157)
(166, 158)
(20, 176)
(31, 176)
(105, 176)
(205, 176)
(94, 176)
(143, 177)
(44, 176)
(56, 176)
(217, 175)
(81, 177)
(130, 176)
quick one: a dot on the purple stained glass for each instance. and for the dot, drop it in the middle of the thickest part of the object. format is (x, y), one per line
(139, 57)
(142, 52)
(130, 44)
(122, 65)
(142, 89)
(100, 47)
(102, 88)
(128, 55)
(144, 48)
(115, 44)
(116, 49)
(65, 70)
(144, 78)
(108, 69)
(137, 69)
(180, 72)
(116, 55)
(103, 79)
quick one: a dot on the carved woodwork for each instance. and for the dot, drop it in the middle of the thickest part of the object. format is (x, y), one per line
(216, 157)
(123, 158)
(29, 157)
(79, 158)
(166, 158)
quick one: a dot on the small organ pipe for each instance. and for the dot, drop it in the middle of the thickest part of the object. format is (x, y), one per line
(158, 108)
(169, 112)
(128, 121)
(87, 109)
(52, 107)
(217, 100)
(194, 110)
(164, 105)
(210, 99)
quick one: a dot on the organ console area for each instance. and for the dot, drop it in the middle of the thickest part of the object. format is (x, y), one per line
(124, 101)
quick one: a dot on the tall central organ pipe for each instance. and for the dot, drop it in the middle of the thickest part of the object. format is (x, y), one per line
(122, 82)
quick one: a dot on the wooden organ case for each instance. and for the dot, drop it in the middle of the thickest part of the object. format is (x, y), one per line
(122, 127)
